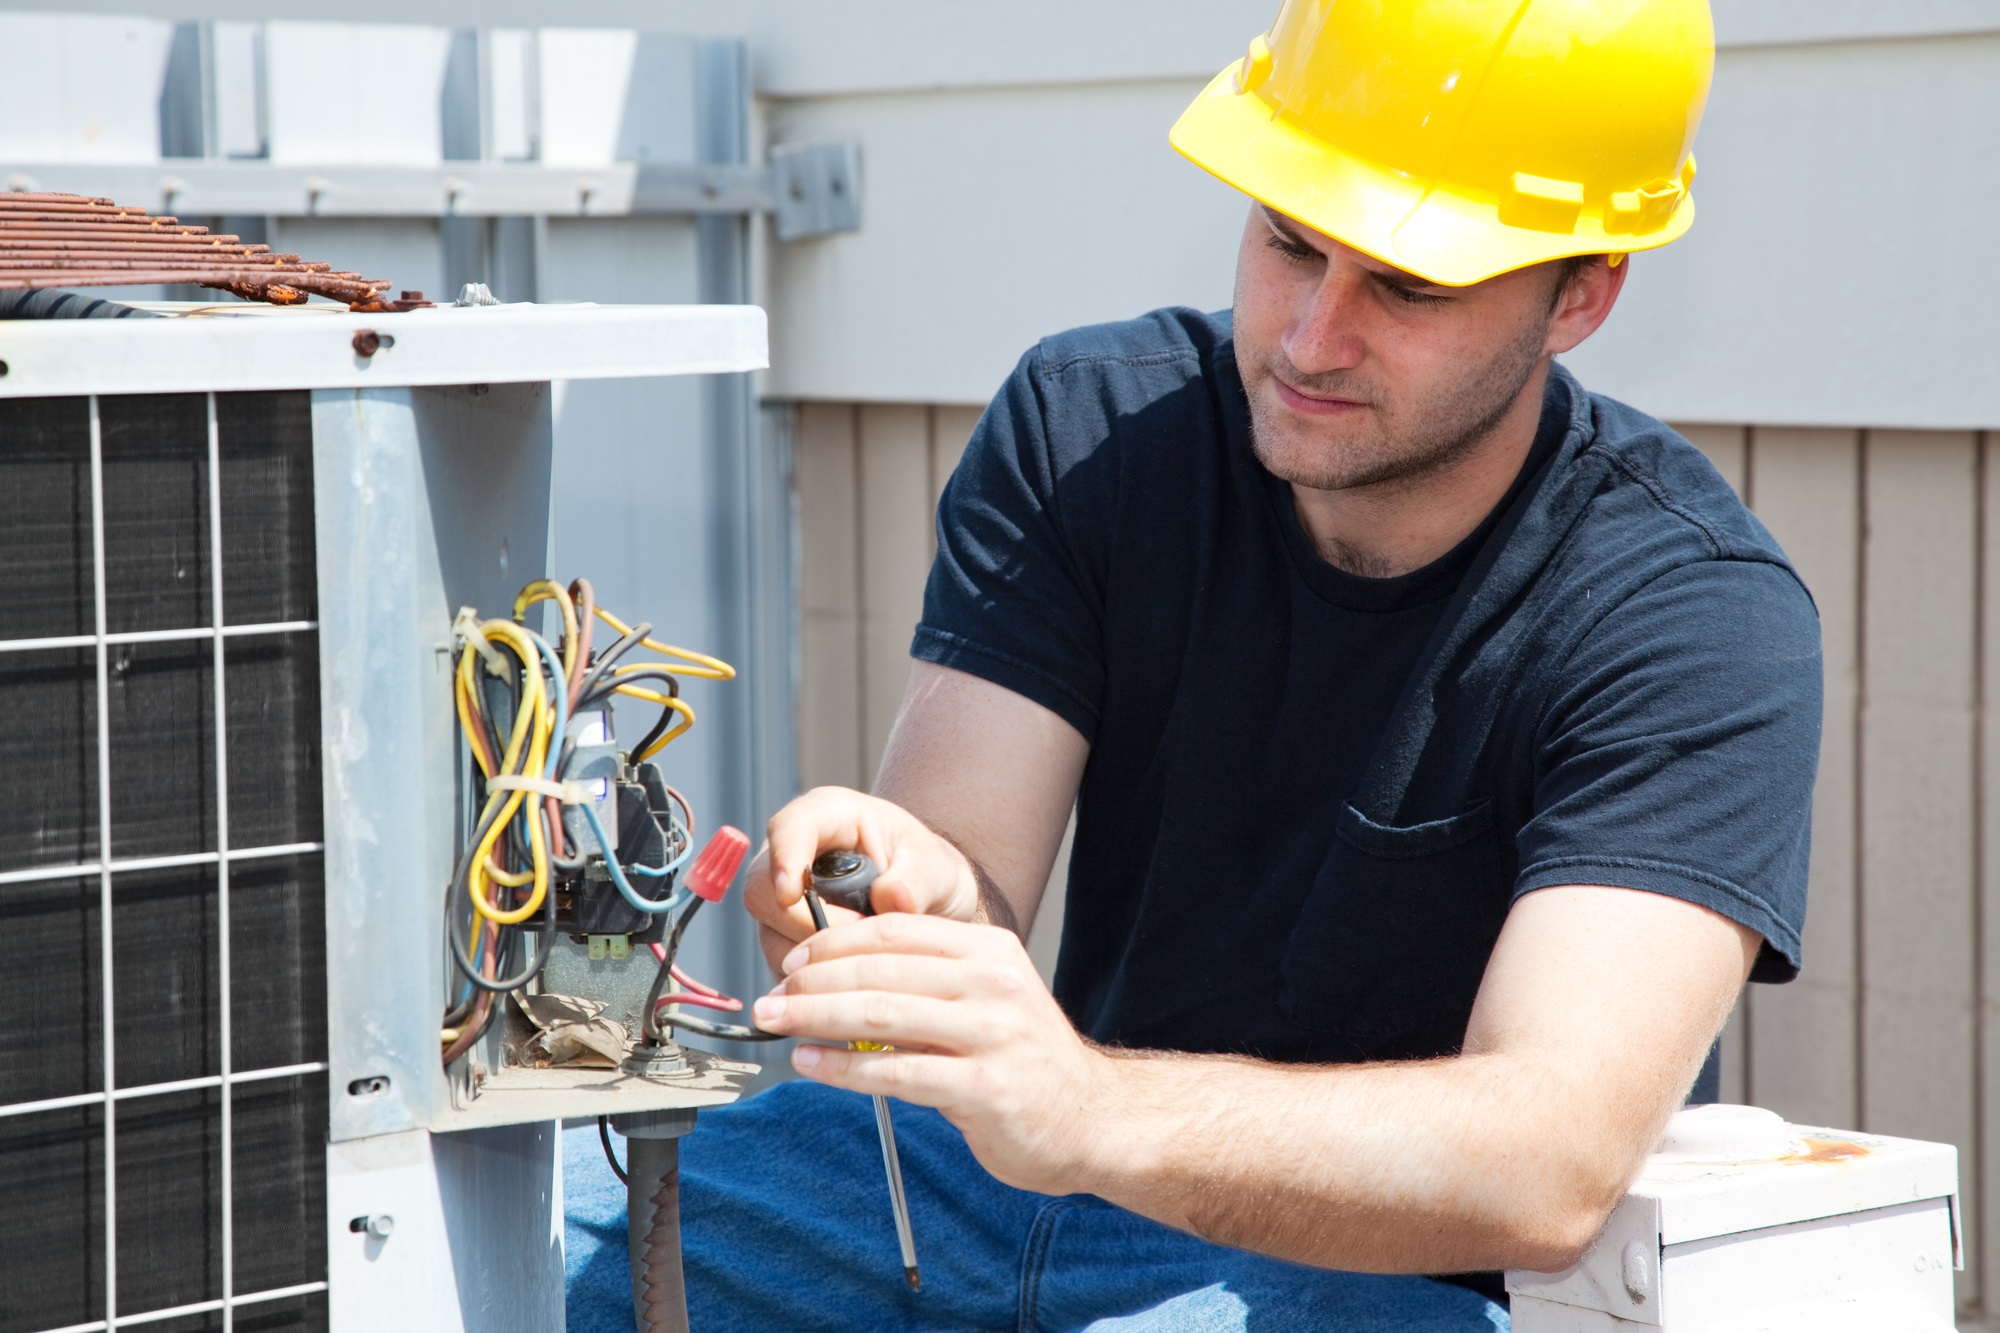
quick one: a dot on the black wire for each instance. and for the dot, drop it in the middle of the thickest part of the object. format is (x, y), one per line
(604, 1137)
(667, 713)
(655, 1021)
(546, 938)
(670, 951)
(496, 726)
(481, 714)
(720, 1031)
(458, 1013)
(609, 685)
(609, 658)
(470, 970)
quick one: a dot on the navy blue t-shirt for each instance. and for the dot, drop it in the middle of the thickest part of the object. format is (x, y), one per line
(1311, 796)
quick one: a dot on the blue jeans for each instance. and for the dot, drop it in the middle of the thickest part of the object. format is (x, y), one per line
(786, 1226)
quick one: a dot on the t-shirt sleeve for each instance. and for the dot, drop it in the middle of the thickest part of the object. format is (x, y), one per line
(1678, 753)
(1015, 595)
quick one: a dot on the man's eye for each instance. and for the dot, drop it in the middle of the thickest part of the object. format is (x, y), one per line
(1289, 249)
(1410, 296)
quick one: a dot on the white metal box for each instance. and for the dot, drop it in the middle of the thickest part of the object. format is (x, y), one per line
(1741, 1223)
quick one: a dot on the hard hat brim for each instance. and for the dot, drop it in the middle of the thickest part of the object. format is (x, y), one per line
(1421, 227)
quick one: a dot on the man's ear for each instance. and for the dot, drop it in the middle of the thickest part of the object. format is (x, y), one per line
(1586, 300)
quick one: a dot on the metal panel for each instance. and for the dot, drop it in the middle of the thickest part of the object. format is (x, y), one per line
(749, 479)
(963, 264)
(475, 1244)
(385, 1282)
(429, 500)
(1985, 1251)
(81, 88)
(214, 188)
(586, 75)
(355, 93)
(816, 189)
(1804, 1041)
(1917, 778)
(502, 1195)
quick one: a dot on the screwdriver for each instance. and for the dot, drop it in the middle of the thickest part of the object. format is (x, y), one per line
(844, 877)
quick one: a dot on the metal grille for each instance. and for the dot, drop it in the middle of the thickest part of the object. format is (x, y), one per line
(162, 1013)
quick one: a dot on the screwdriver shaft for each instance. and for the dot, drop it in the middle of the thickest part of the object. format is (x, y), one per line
(892, 1164)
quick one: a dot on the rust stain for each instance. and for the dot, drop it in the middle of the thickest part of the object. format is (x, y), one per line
(1826, 1151)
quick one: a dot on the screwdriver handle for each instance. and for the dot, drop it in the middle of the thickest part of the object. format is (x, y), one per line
(844, 877)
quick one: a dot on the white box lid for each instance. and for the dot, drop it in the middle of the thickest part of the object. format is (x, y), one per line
(224, 348)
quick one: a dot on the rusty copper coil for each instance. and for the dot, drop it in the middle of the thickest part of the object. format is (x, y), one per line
(72, 240)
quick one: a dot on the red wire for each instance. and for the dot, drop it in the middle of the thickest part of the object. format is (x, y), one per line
(698, 987)
(722, 1002)
(686, 809)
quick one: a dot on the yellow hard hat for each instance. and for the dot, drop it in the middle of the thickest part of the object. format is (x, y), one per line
(1458, 139)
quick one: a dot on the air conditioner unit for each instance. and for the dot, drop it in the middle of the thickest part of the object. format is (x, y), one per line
(233, 544)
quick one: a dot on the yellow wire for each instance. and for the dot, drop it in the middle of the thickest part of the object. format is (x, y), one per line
(672, 734)
(461, 696)
(665, 701)
(537, 723)
(544, 590)
(704, 666)
(513, 879)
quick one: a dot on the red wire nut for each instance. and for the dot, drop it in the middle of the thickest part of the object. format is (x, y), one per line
(716, 867)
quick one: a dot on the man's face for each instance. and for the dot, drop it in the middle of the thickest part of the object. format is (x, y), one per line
(1360, 374)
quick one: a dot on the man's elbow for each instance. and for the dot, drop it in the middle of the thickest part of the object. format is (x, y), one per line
(1553, 1229)
(1552, 1244)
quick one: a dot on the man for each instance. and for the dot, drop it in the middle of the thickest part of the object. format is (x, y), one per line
(1440, 735)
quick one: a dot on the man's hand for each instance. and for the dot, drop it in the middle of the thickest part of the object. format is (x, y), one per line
(977, 1035)
(922, 873)
(1596, 1010)
(973, 774)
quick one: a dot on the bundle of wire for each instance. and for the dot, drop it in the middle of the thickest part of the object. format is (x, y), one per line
(511, 683)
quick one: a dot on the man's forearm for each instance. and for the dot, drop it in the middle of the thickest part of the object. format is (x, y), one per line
(1439, 1166)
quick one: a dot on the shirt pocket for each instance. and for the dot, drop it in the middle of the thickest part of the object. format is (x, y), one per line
(1393, 939)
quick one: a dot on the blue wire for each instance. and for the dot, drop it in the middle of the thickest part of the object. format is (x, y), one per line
(617, 872)
(559, 687)
(661, 872)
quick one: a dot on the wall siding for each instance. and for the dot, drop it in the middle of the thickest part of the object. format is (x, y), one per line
(1894, 1026)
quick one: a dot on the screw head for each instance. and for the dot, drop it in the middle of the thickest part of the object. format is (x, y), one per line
(367, 342)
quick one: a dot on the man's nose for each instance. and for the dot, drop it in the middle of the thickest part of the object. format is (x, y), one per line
(1323, 335)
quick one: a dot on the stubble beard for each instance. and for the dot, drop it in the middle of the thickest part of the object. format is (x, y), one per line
(1393, 446)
